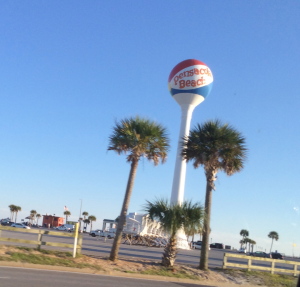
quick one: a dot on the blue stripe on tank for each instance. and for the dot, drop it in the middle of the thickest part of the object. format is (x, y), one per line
(203, 91)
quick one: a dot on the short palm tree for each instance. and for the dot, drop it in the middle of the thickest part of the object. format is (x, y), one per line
(273, 235)
(217, 147)
(244, 233)
(12, 209)
(67, 213)
(32, 215)
(92, 218)
(172, 218)
(85, 214)
(86, 222)
(136, 138)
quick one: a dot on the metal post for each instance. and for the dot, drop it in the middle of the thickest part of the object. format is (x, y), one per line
(75, 239)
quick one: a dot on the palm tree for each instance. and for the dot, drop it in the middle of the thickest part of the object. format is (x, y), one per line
(85, 214)
(67, 213)
(172, 218)
(32, 215)
(17, 209)
(12, 208)
(273, 235)
(217, 147)
(86, 222)
(244, 233)
(136, 138)
(247, 241)
(193, 230)
(92, 218)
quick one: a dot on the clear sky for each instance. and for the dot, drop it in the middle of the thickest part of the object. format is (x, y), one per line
(70, 69)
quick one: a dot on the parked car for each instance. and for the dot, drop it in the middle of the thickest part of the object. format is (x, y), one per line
(65, 227)
(108, 234)
(217, 245)
(101, 233)
(20, 225)
(95, 233)
(242, 250)
(197, 244)
(276, 255)
(261, 254)
(7, 223)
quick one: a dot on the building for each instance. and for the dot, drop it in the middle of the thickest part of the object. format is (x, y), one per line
(136, 223)
(52, 221)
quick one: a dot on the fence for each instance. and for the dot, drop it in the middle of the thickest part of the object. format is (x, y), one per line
(76, 246)
(250, 266)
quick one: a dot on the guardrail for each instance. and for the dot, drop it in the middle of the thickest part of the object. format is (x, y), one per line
(76, 246)
(250, 266)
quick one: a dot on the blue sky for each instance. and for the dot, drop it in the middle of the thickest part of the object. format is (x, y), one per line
(70, 69)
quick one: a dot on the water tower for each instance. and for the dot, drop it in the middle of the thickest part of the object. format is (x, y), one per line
(189, 82)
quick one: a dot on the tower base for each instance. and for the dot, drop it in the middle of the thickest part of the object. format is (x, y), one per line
(182, 242)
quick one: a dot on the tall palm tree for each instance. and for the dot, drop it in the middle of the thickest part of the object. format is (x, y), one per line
(67, 213)
(136, 138)
(92, 218)
(273, 235)
(244, 233)
(17, 209)
(217, 147)
(172, 218)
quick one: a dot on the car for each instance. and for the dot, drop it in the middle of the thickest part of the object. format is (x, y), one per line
(20, 225)
(7, 223)
(95, 233)
(108, 234)
(242, 250)
(63, 228)
(197, 244)
(276, 255)
(261, 254)
(217, 245)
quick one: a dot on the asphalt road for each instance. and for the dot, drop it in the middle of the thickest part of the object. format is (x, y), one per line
(98, 248)
(12, 277)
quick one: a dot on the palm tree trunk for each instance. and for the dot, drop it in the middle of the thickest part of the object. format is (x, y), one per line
(271, 245)
(210, 178)
(170, 252)
(122, 219)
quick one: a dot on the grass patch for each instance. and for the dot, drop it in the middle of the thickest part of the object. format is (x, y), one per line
(46, 257)
(267, 279)
(170, 272)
